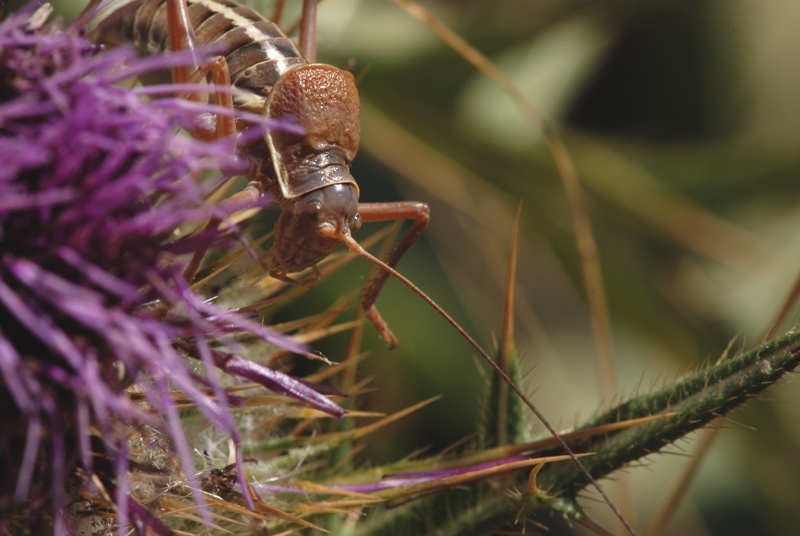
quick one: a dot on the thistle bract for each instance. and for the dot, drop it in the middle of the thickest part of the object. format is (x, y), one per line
(93, 183)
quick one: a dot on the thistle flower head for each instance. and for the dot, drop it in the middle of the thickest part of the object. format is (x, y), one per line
(93, 183)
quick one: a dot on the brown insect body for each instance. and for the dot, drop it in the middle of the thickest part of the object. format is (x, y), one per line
(320, 197)
(308, 175)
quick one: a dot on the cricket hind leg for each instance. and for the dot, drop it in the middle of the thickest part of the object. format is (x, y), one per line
(306, 26)
(277, 12)
(308, 31)
(374, 212)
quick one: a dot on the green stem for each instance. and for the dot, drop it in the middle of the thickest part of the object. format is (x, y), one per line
(688, 405)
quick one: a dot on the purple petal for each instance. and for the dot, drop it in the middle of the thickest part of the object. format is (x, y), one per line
(29, 458)
(458, 471)
(277, 381)
(12, 370)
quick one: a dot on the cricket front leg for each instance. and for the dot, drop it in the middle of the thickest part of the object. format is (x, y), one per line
(182, 37)
(373, 212)
(252, 196)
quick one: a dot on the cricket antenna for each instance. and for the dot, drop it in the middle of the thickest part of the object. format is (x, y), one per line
(355, 247)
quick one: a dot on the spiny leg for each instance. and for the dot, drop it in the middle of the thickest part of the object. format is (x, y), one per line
(182, 37)
(224, 125)
(373, 212)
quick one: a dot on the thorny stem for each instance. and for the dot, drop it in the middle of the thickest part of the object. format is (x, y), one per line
(693, 402)
(679, 490)
(507, 337)
(356, 248)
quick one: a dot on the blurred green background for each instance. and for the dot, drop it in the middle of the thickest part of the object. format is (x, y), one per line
(683, 119)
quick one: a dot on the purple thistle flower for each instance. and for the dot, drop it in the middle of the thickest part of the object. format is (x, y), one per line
(93, 181)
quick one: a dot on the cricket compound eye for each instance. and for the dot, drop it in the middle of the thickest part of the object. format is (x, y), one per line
(314, 211)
